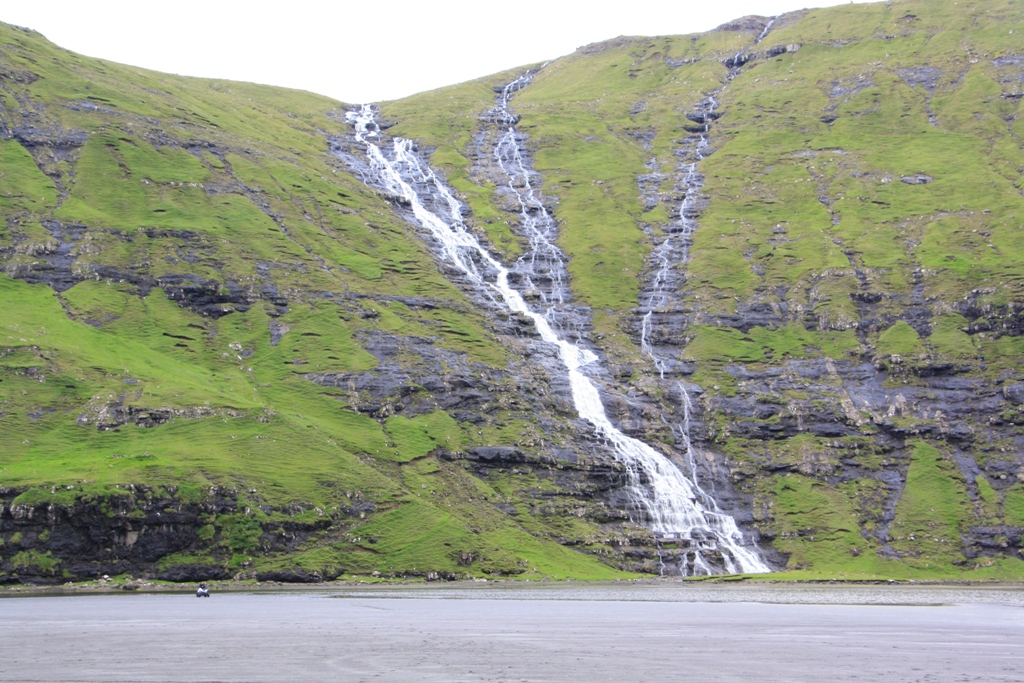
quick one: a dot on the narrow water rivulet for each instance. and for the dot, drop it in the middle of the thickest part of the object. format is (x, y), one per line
(665, 500)
(673, 250)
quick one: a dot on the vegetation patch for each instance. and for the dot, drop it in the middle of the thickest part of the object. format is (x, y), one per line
(931, 513)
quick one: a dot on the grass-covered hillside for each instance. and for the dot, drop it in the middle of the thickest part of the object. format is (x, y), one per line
(199, 309)
(851, 307)
(222, 355)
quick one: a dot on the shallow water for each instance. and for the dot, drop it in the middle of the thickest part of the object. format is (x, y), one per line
(678, 591)
(473, 633)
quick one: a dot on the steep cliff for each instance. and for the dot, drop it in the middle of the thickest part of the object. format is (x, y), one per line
(847, 307)
(223, 355)
(791, 241)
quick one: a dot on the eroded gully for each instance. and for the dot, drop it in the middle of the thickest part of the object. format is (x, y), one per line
(663, 498)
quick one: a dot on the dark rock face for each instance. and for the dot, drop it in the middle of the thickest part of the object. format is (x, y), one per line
(863, 414)
(113, 535)
(134, 530)
(1014, 393)
(207, 297)
(750, 22)
(496, 454)
(292, 575)
(866, 417)
(193, 573)
(441, 379)
(992, 541)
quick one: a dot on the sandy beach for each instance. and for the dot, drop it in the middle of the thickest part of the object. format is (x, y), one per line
(467, 633)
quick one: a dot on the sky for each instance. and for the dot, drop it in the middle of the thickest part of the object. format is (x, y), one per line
(364, 51)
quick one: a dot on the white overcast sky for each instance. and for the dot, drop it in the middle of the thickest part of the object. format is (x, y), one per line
(362, 51)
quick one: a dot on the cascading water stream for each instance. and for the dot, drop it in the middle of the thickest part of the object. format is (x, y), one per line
(739, 59)
(675, 248)
(541, 230)
(767, 29)
(538, 226)
(670, 505)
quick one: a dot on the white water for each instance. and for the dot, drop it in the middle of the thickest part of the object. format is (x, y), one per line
(668, 502)
(676, 249)
(739, 58)
(539, 227)
(764, 33)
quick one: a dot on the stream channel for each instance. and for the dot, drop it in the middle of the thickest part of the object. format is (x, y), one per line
(664, 498)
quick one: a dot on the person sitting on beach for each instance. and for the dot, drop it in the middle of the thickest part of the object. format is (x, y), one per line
(202, 591)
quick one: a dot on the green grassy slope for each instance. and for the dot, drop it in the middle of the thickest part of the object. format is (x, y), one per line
(865, 190)
(808, 189)
(195, 292)
(180, 256)
(584, 114)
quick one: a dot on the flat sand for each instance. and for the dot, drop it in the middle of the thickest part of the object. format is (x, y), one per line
(592, 634)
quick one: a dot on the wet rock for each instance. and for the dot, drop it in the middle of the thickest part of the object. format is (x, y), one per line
(291, 575)
(753, 23)
(926, 77)
(277, 332)
(496, 454)
(737, 60)
(193, 573)
(1014, 393)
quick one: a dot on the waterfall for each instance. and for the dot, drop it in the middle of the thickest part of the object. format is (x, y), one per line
(538, 225)
(676, 249)
(668, 503)
(764, 33)
(741, 57)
